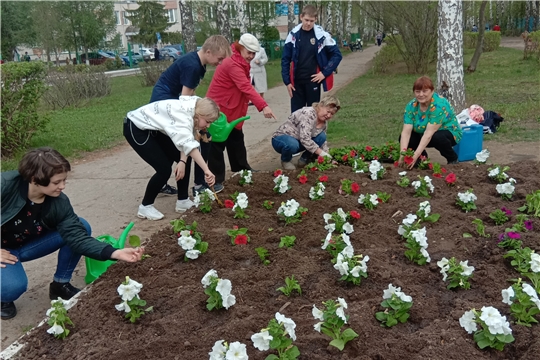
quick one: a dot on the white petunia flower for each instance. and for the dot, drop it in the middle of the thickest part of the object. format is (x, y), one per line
(348, 228)
(529, 290)
(467, 270)
(466, 197)
(493, 172)
(425, 254)
(467, 321)
(342, 214)
(130, 290)
(193, 254)
(56, 329)
(207, 278)
(327, 241)
(535, 262)
(346, 239)
(236, 351)
(197, 200)
(401, 230)
(327, 217)
(403, 173)
(342, 303)
(409, 220)
(342, 265)
(348, 251)
(507, 295)
(482, 156)
(420, 237)
(374, 199)
(416, 184)
(242, 200)
(317, 326)
(387, 294)
(262, 340)
(224, 287)
(506, 188)
(426, 207)
(123, 307)
(341, 314)
(288, 323)
(228, 301)
(330, 227)
(361, 198)
(317, 314)
(218, 351)
(491, 316)
(187, 242)
(403, 297)
(210, 194)
(443, 264)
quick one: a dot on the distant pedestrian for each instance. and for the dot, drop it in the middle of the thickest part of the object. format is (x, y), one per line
(258, 72)
(156, 53)
(379, 38)
(310, 57)
(474, 28)
(26, 56)
(497, 28)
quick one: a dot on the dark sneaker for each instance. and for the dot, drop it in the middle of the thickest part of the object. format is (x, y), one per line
(196, 191)
(8, 310)
(62, 290)
(168, 190)
(218, 187)
(453, 162)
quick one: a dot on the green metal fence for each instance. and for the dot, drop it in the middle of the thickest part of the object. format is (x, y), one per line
(273, 49)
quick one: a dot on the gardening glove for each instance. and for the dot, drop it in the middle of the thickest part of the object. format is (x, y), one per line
(325, 154)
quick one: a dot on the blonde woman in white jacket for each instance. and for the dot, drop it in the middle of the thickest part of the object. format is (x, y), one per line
(164, 132)
(258, 72)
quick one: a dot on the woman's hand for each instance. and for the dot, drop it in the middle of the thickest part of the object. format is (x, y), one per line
(209, 177)
(268, 113)
(180, 170)
(414, 158)
(128, 254)
(7, 258)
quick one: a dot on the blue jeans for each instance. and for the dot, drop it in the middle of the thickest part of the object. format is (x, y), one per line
(14, 279)
(287, 146)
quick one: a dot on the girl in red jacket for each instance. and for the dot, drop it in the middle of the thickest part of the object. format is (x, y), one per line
(231, 89)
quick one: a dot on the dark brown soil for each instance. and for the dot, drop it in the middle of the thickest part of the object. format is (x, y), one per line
(180, 327)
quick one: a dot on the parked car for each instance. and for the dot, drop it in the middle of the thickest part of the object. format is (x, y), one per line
(94, 58)
(148, 54)
(178, 47)
(170, 53)
(125, 58)
(134, 55)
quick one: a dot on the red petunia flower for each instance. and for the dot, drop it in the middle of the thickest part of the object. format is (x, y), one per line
(396, 163)
(302, 179)
(450, 179)
(344, 157)
(229, 204)
(323, 178)
(320, 159)
(430, 165)
(314, 168)
(408, 160)
(362, 156)
(355, 215)
(235, 227)
(240, 240)
(304, 213)
(437, 175)
(422, 157)
(355, 187)
(352, 153)
(278, 172)
(369, 148)
(375, 157)
(379, 200)
(443, 170)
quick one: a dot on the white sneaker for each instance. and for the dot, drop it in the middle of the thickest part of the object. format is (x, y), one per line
(183, 205)
(149, 212)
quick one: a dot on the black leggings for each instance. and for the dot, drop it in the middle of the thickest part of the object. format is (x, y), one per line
(158, 150)
(236, 151)
(442, 140)
(306, 94)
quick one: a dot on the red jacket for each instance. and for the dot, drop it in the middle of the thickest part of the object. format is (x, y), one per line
(231, 88)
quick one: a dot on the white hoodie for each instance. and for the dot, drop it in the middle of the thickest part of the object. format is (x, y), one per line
(173, 118)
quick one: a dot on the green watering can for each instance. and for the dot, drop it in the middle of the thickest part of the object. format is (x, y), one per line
(221, 129)
(94, 268)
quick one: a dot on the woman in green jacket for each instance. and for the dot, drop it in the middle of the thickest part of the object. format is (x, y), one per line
(37, 220)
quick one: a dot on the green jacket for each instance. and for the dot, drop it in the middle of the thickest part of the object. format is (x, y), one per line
(57, 215)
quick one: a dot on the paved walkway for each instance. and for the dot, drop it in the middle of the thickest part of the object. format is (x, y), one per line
(108, 189)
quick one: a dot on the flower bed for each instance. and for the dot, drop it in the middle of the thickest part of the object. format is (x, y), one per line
(181, 327)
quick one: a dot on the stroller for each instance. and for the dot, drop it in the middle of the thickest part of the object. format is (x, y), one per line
(357, 45)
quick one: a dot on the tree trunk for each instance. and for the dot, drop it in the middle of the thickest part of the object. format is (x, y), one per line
(291, 23)
(349, 23)
(480, 40)
(450, 53)
(223, 24)
(338, 22)
(328, 26)
(241, 16)
(188, 27)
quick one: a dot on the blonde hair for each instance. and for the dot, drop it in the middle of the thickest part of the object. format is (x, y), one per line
(218, 45)
(328, 101)
(208, 109)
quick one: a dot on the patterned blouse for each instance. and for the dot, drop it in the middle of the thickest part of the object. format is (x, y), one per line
(439, 112)
(302, 125)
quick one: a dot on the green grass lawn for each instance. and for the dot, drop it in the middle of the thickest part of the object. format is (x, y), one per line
(373, 105)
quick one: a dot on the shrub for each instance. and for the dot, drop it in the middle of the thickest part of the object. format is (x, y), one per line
(492, 40)
(534, 45)
(150, 72)
(22, 87)
(111, 64)
(388, 55)
(73, 85)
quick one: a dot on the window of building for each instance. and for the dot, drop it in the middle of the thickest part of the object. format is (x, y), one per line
(117, 16)
(126, 20)
(172, 15)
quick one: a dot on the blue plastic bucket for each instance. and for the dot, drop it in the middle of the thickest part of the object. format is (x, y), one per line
(471, 142)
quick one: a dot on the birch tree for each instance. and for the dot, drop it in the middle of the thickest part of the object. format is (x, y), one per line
(338, 22)
(241, 16)
(328, 26)
(480, 39)
(349, 25)
(291, 23)
(223, 24)
(450, 52)
(188, 27)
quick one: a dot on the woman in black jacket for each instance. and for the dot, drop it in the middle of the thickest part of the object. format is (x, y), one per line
(37, 220)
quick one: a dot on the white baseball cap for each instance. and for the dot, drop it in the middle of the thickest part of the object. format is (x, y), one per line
(250, 42)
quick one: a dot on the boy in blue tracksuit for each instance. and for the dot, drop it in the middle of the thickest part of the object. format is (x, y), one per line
(310, 57)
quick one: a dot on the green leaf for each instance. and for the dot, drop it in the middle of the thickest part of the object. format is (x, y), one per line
(348, 335)
(272, 357)
(467, 235)
(134, 241)
(338, 343)
(292, 353)
(433, 218)
(523, 208)
(381, 316)
(482, 344)
(203, 247)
